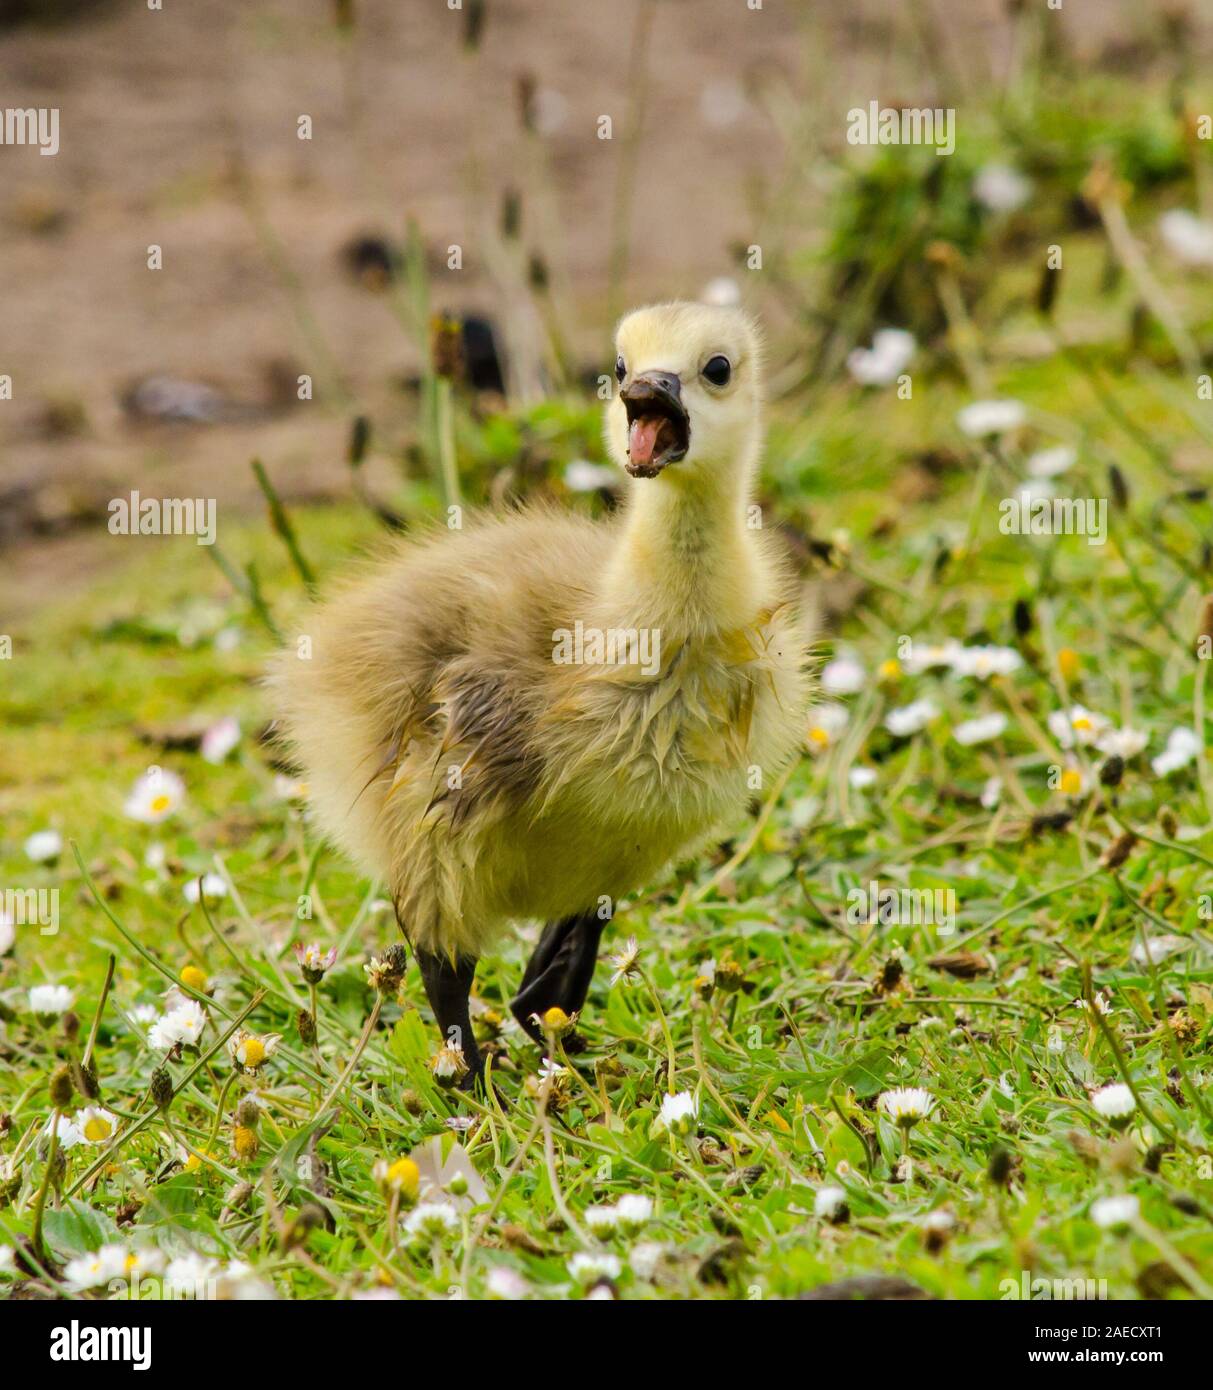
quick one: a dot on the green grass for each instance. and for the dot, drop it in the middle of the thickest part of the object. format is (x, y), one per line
(787, 1069)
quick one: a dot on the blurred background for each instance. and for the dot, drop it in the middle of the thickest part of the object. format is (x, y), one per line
(478, 128)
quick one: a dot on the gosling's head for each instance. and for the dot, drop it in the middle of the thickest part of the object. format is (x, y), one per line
(690, 391)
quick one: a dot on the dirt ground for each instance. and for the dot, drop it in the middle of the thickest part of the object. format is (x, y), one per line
(179, 128)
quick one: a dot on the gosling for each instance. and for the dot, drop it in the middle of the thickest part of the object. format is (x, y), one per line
(531, 716)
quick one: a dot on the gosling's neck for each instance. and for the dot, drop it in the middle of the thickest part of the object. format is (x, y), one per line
(687, 561)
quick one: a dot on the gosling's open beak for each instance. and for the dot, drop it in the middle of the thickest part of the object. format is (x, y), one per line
(659, 428)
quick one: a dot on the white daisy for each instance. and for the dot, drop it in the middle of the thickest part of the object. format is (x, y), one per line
(551, 1071)
(182, 1024)
(51, 1000)
(991, 793)
(634, 1210)
(1076, 725)
(1183, 746)
(678, 1113)
(1001, 188)
(219, 740)
(44, 846)
(504, 1282)
(99, 1267)
(1049, 463)
(68, 1133)
(826, 722)
(906, 1105)
(981, 730)
(861, 777)
(723, 291)
(1187, 237)
(1114, 1213)
(1122, 743)
(580, 475)
(1158, 948)
(926, 656)
(910, 719)
(192, 1272)
(843, 676)
(212, 889)
(891, 352)
(96, 1126)
(590, 1265)
(429, 1220)
(984, 662)
(984, 418)
(600, 1219)
(830, 1203)
(1115, 1102)
(625, 960)
(155, 796)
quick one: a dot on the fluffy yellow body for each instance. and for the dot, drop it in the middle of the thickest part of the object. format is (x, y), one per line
(454, 749)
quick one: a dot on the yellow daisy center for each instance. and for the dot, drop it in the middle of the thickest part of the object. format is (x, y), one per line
(160, 803)
(252, 1052)
(405, 1175)
(194, 977)
(97, 1128)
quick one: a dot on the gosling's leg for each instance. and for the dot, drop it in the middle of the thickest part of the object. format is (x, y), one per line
(559, 973)
(448, 987)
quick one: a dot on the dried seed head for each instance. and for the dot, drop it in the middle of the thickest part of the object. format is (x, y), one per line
(1120, 487)
(71, 1025)
(238, 1195)
(308, 1218)
(1000, 1165)
(1046, 290)
(359, 442)
(446, 347)
(1112, 771)
(730, 974)
(305, 1023)
(161, 1088)
(386, 972)
(448, 1065)
(1119, 850)
(248, 1113)
(1184, 1026)
(1168, 822)
(61, 1088)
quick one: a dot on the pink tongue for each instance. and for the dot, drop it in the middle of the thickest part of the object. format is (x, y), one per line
(643, 438)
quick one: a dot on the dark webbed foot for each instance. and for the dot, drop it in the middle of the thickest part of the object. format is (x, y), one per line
(559, 974)
(448, 985)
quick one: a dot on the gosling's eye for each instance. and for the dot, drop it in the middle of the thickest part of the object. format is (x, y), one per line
(718, 371)
(621, 369)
